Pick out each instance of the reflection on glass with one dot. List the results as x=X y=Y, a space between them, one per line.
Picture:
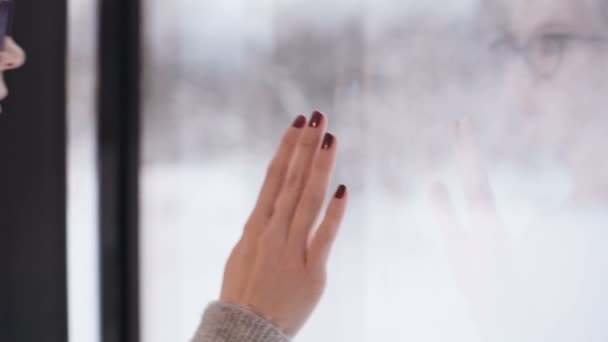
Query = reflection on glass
x=506 y=245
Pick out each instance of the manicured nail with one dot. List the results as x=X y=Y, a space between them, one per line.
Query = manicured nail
x=341 y=191
x=316 y=119
x=299 y=122
x=328 y=141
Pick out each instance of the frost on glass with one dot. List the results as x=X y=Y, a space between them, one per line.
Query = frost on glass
x=519 y=256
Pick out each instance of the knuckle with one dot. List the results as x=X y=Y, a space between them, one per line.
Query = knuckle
x=290 y=140
x=314 y=200
x=309 y=141
x=323 y=236
x=318 y=280
x=293 y=264
x=275 y=170
x=243 y=251
x=266 y=248
x=249 y=239
x=322 y=167
x=326 y=233
x=271 y=240
x=295 y=180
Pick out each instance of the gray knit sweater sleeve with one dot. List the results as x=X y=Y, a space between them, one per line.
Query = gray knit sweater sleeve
x=224 y=322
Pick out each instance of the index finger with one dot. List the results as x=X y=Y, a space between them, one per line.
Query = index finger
x=475 y=178
x=277 y=172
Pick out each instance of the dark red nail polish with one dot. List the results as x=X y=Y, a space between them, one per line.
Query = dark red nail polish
x=328 y=141
x=299 y=122
x=341 y=191
x=316 y=119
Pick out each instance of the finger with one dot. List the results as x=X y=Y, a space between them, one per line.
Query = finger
x=476 y=183
x=323 y=240
x=310 y=204
x=277 y=171
x=445 y=213
x=297 y=176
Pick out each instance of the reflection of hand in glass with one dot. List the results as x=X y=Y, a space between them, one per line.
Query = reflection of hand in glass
x=479 y=256
x=278 y=268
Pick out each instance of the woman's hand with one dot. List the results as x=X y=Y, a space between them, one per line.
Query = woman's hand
x=480 y=256
x=278 y=268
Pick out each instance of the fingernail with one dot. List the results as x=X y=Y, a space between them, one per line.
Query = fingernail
x=341 y=191
x=299 y=122
x=316 y=119
x=328 y=141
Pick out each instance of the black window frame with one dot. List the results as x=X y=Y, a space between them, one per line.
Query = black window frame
x=118 y=153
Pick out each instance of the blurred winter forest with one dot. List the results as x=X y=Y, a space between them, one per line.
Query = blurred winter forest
x=224 y=79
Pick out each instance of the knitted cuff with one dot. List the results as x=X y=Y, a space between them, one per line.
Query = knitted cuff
x=223 y=322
